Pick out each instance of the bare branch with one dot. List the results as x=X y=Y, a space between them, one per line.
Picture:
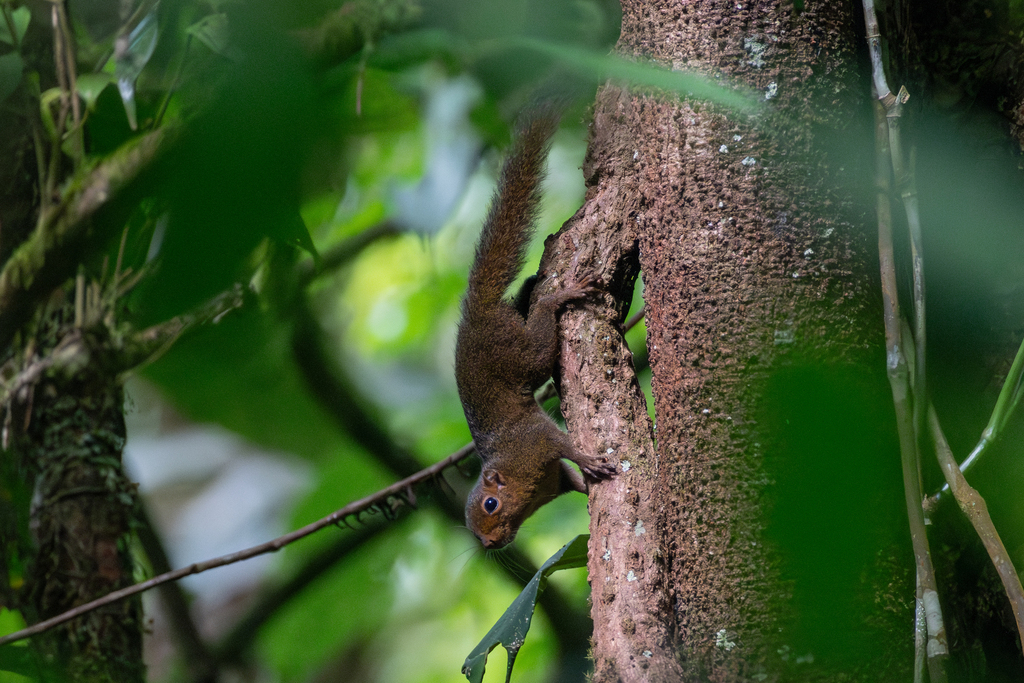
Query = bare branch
x=385 y=497
x=147 y=345
x=974 y=507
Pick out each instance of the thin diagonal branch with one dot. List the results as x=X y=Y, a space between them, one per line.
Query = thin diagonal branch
x=198 y=660
x=399 y=491
x=974 y=507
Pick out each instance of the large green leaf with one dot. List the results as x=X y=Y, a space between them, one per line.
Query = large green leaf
x=684 y=83
x=510 y=631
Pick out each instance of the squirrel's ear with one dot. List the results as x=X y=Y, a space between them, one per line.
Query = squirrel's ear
x=493 y=477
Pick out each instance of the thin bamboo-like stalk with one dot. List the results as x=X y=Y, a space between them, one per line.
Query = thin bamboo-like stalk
x=907 y=401
x=932 y=649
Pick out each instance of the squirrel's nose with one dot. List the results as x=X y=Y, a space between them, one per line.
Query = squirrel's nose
x=492 y=543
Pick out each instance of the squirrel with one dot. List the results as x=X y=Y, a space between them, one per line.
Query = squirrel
x=505 y=351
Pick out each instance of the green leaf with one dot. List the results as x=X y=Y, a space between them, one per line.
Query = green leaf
x=601 y=65
x=20 y=18
x=510 y=630
x=131 y=54
x=17 y=659
x=212 y=31
x=90 y=86
x=11 y=67
x=293 y=231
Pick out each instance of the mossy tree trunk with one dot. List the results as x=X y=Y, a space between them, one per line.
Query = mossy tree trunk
x=68 y=434
x=67 y=507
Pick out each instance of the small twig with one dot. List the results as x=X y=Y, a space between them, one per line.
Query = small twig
x=634 y=319
x=149 y=344
x=69 y=351
x=120 y=257
x=1009 y=397
x=199 y=662
x=899 y=381
x=66 y=37
x=974 y=508
x=360 y=506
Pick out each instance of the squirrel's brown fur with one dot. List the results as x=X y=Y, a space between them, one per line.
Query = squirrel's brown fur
x=505 y=353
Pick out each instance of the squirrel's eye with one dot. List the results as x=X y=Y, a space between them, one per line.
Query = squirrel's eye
x=491 y=505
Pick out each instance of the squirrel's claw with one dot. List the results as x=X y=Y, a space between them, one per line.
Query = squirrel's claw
x=598 y=466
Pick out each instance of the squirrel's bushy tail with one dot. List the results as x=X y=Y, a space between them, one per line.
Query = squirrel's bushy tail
x=510 y=221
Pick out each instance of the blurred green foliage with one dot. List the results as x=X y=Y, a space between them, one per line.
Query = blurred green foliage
x=289 y=147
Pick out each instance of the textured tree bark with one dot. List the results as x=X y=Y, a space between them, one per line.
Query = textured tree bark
x=717 y=555
x=67 y=508
x=68 y=435
x=606 y=413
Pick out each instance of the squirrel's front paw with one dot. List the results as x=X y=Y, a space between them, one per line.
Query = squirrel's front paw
x=598 y=466
x=588 y=284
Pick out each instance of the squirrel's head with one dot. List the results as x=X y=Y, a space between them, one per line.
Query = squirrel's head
x=499 y=504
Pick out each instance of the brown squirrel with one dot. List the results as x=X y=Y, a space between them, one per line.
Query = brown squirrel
x=506 y=351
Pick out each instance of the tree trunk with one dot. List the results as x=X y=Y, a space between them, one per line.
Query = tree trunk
x=69 y=437
x=67 y=507
x=737 y=549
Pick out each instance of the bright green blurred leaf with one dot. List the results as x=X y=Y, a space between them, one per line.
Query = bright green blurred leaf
x=601 y=66
x=20 y=18
x=15 y=658
x=10 y=621
x=91 y=85
x=510 y=630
